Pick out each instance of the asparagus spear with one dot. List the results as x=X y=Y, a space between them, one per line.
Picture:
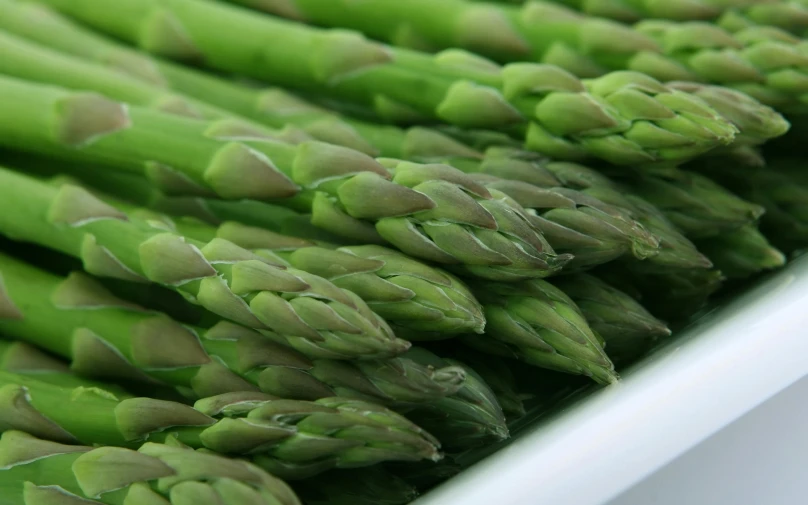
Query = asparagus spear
x=673 y=295
x=22 y=358
x=431 y=211
x=220 y=276
x=278 y=108
x=470 y=418
x=109 y=338
x=420 y=300
x=743 y=252
x=761 y=61
x=780 y=186
x=695 y=204
x=290 y=438
x=537 y=323
x=633 y=10
x=273 y=106
x=676 y=251
x=553 y=111
x=30 y=61
x=496 y=372
x=36 y=471
x=626 y=327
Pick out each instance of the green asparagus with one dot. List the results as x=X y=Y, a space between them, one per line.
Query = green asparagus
x=36 y=472
x=27 y=60
x=22 y=358
x=761 y=61
x=742 y=253
x=419 y=301
x=219 y=275
x=780 y=187
x=496 y=372
x=625 y=118
x=431 y=211
x=673 y=294
x=537 y=323
x=626 y=327
x=695 y=204
x=289 y=438
x=633 y=10
x=108 y=338
x=470 y=418
x=676 y=251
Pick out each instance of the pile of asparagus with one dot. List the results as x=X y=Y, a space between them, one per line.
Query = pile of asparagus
x=313 y=251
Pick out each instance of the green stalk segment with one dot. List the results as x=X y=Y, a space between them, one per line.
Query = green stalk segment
x=762 y=61
x=25 y=359
x=537 y=32
x=497 y=373
x=626 y=327
x=741 y=253
x=676 y=251
x=625 y=118
x=218 y=275
x=470 y=418
x=25 y=59
x=289 y=438
x=420 y=300
x=434 y=212
x=682 y=10
x=695 y=204
x=781 y=187
x=537 y=323
x=42 y=472
x=278 y=108
x=107 y=338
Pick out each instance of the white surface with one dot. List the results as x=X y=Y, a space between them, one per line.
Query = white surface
x=730 y=363
x=760 y=459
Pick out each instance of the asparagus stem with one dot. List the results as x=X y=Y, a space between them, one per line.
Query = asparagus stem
x=557 y=114
x=37 y=471
x=290 y=438
x=108 y=338
x=219 y=275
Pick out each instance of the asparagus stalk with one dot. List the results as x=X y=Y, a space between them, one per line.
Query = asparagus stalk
x=30 y=61
x=537 y=323
x=256 y=237
x=695 y=204
x=109 y=338
x=743 y=252
x=421 y=301
x=634 y=10
x=626 y=327
x=553 y=111
x=673 y=295
x=761 y=61
x=676 y=251
x=790 y=15
x=273 y=107
x=496 y=372
x=290 y=438
x=278 y=108
x=780 y=187
x=37 y=471
x=219 y=275
x=470 y=418
x=430 y=211
x=22 y=358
